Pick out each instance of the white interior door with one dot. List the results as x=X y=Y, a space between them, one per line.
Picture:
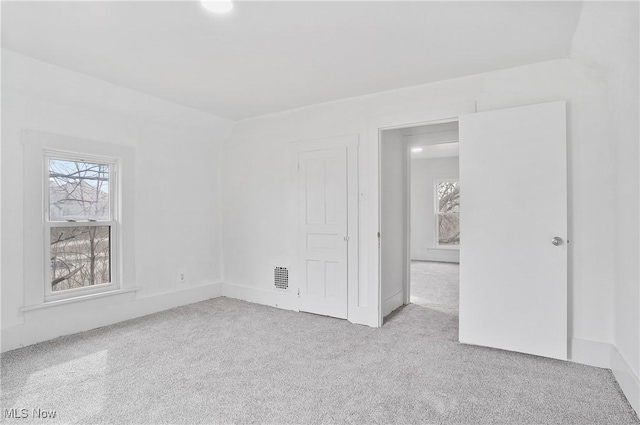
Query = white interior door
x=323 y=236
x=513 y=274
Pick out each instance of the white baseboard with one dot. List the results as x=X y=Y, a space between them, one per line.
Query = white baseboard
x=591 y=353
x=607 y=356
x=626 y=378
x=273 y=298
x=52 y=322
x=392 y=303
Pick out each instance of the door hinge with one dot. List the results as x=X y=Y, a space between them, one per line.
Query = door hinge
x=378 y=239
x=346 y=238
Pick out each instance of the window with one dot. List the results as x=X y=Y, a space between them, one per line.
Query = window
x=447 y=213
x=81 y=224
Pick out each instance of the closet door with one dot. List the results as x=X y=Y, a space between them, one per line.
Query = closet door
x=323 y=233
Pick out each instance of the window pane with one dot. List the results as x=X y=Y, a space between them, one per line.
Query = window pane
x=78 y=191
x=80 y=256
x=449 y=229
x=448 y=197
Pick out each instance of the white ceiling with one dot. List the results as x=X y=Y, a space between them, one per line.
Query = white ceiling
x=441 y=150
x=272 y=56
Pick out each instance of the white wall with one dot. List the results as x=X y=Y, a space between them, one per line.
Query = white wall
x=424 y=174
x=177 y=210
x=612 y=50
x=255 y=171
x=393 y=216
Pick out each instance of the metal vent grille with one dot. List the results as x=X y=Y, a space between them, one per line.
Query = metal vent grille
x=281 y=278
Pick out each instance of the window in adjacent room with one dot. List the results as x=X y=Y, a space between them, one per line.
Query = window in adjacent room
x=447 y=213
x=81 y=224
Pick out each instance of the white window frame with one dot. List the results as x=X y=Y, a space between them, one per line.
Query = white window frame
x=113 y=222
x=437 y=213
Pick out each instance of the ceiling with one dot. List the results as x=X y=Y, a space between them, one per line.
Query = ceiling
x=435 y=140
x=441 y=150
x=267 y=57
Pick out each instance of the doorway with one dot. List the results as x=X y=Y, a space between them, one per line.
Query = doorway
x=420 y=226
x=513 y=279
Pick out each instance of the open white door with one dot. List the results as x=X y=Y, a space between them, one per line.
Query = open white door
x=323 y=237
x=513 y=218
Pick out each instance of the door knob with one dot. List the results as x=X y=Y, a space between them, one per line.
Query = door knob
x=556 y=241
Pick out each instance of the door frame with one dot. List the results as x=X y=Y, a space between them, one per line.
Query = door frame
x=351 y=143
x=375 y=126
x=406 y=287
x=406 y=230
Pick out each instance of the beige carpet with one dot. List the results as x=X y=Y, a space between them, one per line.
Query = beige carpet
x=228 y=361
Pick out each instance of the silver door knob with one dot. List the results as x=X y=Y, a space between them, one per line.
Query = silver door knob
x=556 y=241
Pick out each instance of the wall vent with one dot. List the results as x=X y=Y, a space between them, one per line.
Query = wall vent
x=281 y=278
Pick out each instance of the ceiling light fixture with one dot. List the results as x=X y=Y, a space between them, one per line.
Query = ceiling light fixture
x=416 y=150
x=217 y=6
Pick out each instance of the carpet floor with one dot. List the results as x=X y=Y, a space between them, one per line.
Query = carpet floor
x=229 y=361
x=435 y=285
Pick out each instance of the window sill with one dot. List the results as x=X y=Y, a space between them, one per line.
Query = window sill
x=77 y=299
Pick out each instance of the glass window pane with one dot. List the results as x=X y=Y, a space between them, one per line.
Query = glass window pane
x=448 y=197
x=449 y=229
x=80 y=256
x=78 y=191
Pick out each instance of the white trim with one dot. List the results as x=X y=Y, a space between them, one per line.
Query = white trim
x=592 y=353
x=371 y=312
x=627 y=379
x=64 y=301
x=81 y=223
x=393 y=302
x=406 y=284
x=78 y=292
x=445 y=247
x=274 y=298
x=404 y=296
x=604 y=355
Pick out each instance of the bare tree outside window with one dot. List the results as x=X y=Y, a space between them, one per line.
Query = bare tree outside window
x=80 y=250
x=448 y=212
x=80 y=256
x=78 y=191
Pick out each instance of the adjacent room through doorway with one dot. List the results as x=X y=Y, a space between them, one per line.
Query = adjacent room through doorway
x=435 y=212
x=420 y=225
